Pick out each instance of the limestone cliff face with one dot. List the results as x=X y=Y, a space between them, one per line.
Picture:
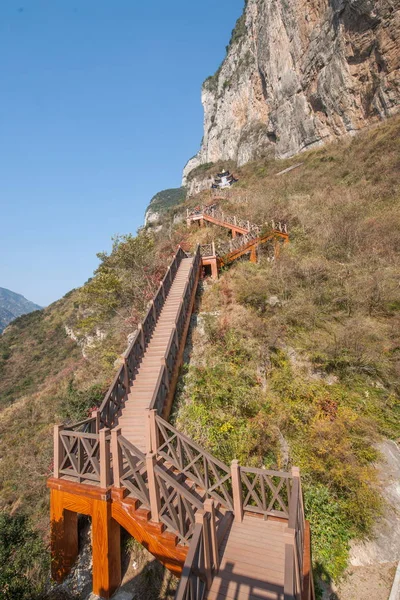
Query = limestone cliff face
x=298 y=73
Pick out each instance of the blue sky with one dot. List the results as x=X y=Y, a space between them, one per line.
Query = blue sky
x=99 y=110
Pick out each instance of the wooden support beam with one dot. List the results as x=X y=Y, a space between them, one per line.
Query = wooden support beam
x=106 y=550
x=64 y=537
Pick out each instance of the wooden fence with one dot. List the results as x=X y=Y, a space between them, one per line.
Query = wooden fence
x=202 y=561
x=119 y=389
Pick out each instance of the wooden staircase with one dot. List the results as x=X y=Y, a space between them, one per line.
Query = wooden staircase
x=126 y=466
x=133 y=416
x=246 y=237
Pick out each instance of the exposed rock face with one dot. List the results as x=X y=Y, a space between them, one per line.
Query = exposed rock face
x=298 y=73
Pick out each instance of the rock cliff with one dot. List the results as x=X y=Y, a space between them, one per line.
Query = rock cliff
x=161 y=202
x=298 y=73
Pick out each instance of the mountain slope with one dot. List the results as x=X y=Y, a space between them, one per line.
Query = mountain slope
x=161 y=202
x=298 y=73
x=13 y=305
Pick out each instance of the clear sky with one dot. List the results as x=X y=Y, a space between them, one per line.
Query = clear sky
x=99 y=110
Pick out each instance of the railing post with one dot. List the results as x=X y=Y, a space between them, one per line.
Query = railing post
x=105 y=477
x=59 y=451
x=140 y=328
x=96 y=415
x=202 y=518
x=126 y=376
x=152 y=431
x=153 y=306
x=237 y=491
x=209 y=507
x=117 y=457
x=213 y=248
x=162 y=289
x=166 y=374
x=154 y=490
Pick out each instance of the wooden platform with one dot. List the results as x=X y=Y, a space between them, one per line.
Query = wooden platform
x=252 y=562
x=132 y=420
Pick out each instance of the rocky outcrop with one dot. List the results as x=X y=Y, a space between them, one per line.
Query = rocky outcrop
x=161 y=202
x=298 y=73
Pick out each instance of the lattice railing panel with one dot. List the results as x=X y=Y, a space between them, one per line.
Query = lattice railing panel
x=133 y=474
x=266 y=492
x=178 y=505
x=195 y=463
x=80 y=456
x=193 y=583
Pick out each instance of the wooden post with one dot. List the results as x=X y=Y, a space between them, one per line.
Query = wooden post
x=153 y=306
x=58 y=451
x=233 y=233
x=96 y=415
x=126 y=377
x=140 y=328
x=202 y=518
x=209 y=507
x=64 y=537
x=152 y=431
x=213 y=248
x=106 y=550
x=237 y=491
x=253 y=254
x=166 y=375
x=214 y=268
x=117 y=457
x=104 y=459
x=154 y=491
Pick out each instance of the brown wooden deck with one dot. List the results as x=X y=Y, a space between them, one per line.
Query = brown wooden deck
x=252 y=565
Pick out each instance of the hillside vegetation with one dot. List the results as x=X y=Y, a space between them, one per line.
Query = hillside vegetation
x=294 y=361
x=297 y=361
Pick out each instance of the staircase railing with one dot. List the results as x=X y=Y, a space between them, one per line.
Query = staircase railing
x=190 y=459
x=119 y=389
x=168 y=361
x=215 y=213
x=77 y=446
x=202 y=560
x=82 y=455
x=171 y=502
x=294 y=550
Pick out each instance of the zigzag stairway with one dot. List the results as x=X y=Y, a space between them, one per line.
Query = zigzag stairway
x=230 y=532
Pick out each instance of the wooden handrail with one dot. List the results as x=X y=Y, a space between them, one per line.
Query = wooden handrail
x=118 y=390
x=202 y=561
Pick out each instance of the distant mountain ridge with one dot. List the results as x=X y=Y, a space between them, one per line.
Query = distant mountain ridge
x=13 y=305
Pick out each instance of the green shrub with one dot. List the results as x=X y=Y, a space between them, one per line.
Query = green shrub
x=23 y=559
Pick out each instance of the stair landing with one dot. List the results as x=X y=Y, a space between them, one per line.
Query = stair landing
x=132 y=421
x=252 y=564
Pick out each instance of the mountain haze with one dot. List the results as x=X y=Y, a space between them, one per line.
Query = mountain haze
x=13 y=305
